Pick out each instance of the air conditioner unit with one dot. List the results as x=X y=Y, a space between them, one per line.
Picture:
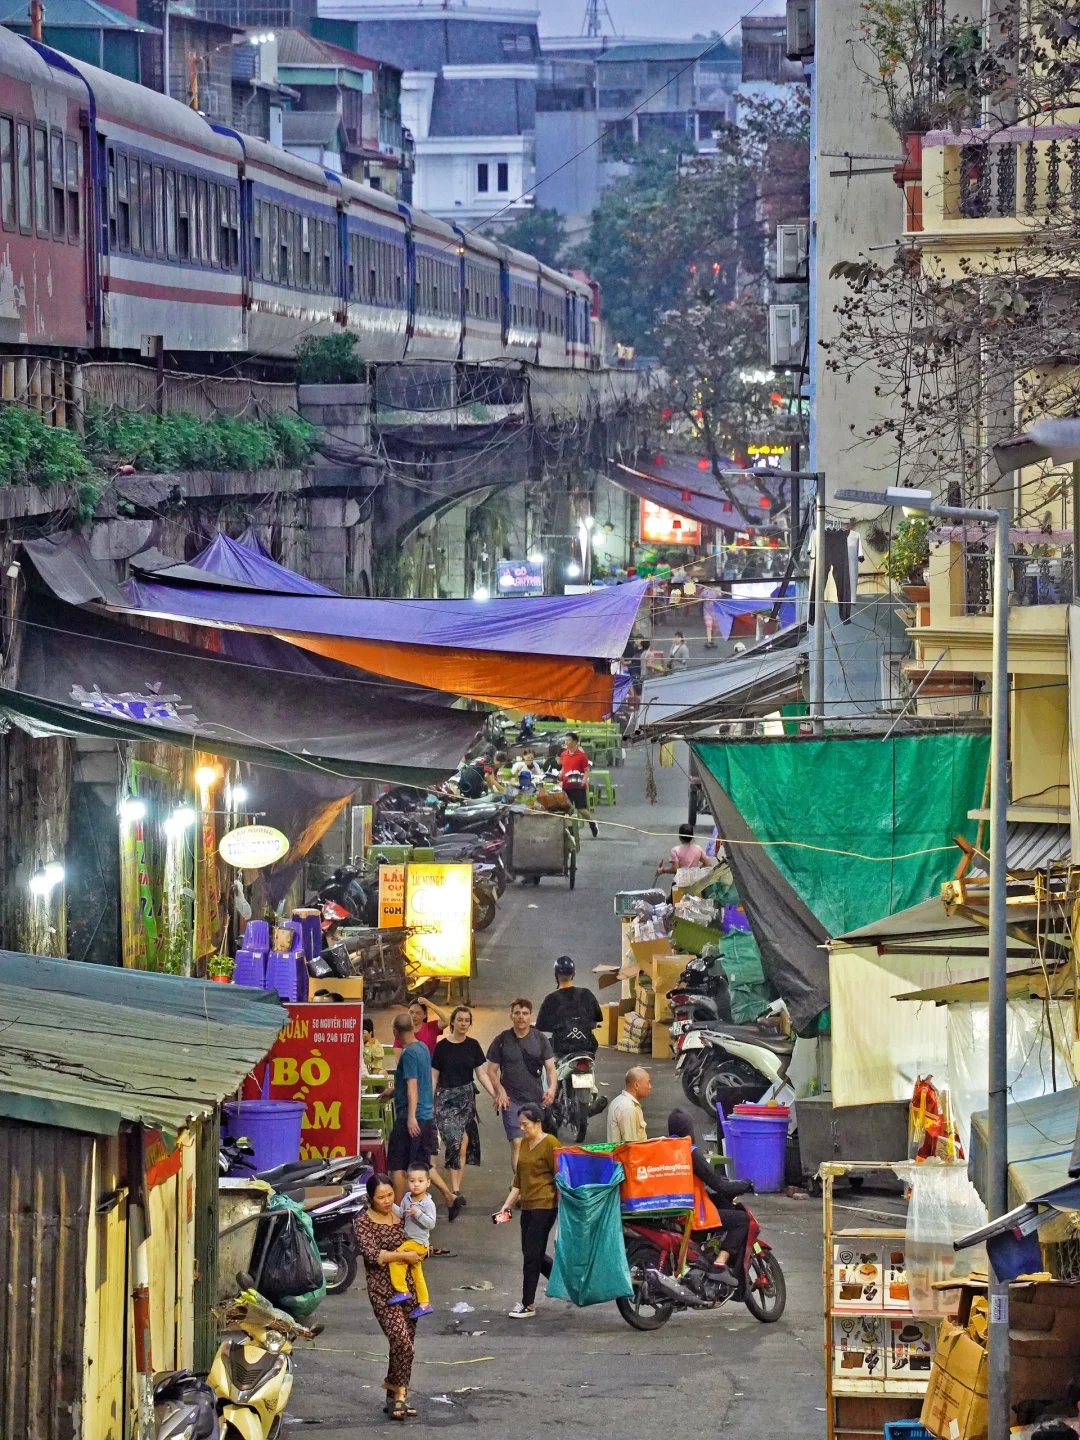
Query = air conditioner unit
x=792 y=251
x=785 y=337
x=800 y=29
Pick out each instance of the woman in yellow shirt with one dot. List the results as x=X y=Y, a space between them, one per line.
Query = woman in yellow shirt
x=534 y=1192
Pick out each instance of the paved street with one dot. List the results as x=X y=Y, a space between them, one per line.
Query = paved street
x=585 y=1369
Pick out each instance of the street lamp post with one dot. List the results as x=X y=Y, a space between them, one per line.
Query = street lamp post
x=919 y=502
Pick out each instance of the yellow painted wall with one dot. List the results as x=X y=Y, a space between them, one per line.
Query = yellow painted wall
x=106 y=1303
x=1040 y=740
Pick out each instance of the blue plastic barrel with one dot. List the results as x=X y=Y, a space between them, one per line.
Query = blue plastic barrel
x=757 y=1145
x=272 y=1126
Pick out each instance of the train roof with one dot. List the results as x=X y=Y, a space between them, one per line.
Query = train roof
x=482 y=245
x=566 y=282
x=262 y=153
x=356 y=194
x=19 y=60
x=126 y=103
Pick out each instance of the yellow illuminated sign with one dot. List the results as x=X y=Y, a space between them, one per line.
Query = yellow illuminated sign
x=391 y=896
x=767 y=449
x=439 y=903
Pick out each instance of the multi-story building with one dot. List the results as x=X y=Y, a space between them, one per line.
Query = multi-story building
x=468 y=96
x=347 y=112
x=684 y=88
x=113 y=38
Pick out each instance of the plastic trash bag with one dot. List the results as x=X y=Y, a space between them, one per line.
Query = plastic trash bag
x=944 y=1206
x=590 y=1255
x=292 y=1273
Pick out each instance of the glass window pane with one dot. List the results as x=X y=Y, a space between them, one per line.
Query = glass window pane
x=147 y=208
x=213 y=224
x=133 y=207
x=23 y=143
x=7 y=171
x=159 y=210
x=170 y=213
x=74 y=199
x=41 y=182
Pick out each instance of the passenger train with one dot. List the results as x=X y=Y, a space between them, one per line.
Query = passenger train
x=130 y=223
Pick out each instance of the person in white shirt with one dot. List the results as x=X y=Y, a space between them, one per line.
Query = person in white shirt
x=625 y=1120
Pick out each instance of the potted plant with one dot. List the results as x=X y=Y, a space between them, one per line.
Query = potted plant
x=220 y=969
x=907 y=556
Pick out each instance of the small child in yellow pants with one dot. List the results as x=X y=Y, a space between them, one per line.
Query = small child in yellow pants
x=417 y=1210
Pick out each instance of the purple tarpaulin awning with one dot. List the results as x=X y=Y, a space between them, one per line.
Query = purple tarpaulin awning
x=238 y=560
x=595 y=626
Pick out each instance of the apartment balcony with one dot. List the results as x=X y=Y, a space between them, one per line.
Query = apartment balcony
x=980 y=196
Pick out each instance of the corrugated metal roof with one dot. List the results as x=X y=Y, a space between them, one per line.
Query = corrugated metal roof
x=87 y=1047
x=686 y=50
x=296 y=48
x=1030 y=846
x=80 y=14
x=426 y=40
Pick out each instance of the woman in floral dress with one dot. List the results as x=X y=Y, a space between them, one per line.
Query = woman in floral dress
x=379 y=1238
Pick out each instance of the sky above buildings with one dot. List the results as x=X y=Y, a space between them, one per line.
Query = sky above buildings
x=645 y=18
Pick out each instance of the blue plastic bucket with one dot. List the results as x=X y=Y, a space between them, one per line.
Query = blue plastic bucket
x=757 y=1145
x=272 y=1126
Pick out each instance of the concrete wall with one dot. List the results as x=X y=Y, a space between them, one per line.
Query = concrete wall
x=849 y=216
x=445 y=182
x=562 y=136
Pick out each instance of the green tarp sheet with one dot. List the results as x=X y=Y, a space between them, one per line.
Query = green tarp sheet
x=831 y=801
x=590 y=1265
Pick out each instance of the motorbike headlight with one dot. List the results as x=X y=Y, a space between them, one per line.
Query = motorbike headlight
x=273 y=1342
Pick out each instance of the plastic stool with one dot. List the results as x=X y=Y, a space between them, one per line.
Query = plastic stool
x=257 y=935
x=603 y=789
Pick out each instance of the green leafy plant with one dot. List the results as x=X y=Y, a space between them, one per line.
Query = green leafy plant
x=909 y=551
x=220 y=965
x=33 y=453
x=173 y=443
x=329 y=360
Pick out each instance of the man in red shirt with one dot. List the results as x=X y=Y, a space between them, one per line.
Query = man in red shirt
x=574 y=776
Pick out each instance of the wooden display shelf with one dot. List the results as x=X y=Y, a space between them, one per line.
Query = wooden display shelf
x=860 y=1407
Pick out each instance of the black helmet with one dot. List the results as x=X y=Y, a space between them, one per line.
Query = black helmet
x=565 y=968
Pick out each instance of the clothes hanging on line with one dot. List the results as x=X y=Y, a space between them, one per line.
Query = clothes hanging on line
x=837 y=563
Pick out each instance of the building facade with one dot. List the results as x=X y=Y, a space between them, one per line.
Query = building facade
x=468 y=97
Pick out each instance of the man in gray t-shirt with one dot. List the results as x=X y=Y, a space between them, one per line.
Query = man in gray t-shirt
x=517 y=1059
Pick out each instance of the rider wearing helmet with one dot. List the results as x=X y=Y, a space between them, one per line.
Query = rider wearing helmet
x=570 y=1013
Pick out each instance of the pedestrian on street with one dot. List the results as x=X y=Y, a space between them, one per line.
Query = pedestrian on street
x=687 y=855
x=533 y=1190
x=457 y=1067
x=414 y=1139
x=426 y=1030
x=574 y=778
x=679 y=655
x=380 y=1239
x=516 y=1060
x=624 y=1118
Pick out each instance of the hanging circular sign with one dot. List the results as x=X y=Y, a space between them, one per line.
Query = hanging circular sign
x=253 y=846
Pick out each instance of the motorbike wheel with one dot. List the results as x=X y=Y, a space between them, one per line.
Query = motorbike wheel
x=581 y=1119
x=641 y=1310
x=500 y=881
x=339 y=1268
x=689 y=1076
x=484 y=907
x=729 y=1073
x=766 y=1295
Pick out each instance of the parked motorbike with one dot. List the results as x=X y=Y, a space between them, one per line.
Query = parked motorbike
x=727 y=1065
x=485 y=896
x=661 y=1286
x=576 y=1096
x=252 y=1373
x=185 y=1407
x=702 y=996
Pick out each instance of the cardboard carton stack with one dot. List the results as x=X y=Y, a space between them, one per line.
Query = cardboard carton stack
x=639 y=1021
x=1044 y=1346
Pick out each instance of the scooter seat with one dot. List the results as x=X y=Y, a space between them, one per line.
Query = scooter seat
x=750 y=1035
x=291 y=1173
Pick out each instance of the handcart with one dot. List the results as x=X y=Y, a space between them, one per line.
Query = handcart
x=543 y=842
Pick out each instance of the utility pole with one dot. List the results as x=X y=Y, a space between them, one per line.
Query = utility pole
x=817 y=672
x=592 y=25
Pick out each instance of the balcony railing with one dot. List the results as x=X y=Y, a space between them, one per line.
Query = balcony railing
x=1007 y=176
x=1034 y=579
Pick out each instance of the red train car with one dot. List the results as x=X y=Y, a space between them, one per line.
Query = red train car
x=44 y=266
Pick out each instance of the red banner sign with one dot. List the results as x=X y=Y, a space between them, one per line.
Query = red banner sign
x=317 y=1058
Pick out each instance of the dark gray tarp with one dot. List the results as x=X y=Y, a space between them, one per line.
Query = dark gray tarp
x=65 y=564
x=80 y=673
x=791 y=940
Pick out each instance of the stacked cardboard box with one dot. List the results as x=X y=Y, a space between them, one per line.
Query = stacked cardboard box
x=635 y=1034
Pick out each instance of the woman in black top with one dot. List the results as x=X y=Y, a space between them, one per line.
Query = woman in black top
x=722 y=1192
x=457 y=1064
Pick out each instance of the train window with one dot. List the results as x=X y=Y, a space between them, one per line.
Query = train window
x=41 y=181
x=7 y=172
x=305 y=252
x=147 y=208
x=204 y=245
x=257 y=223
x=133 y=207
x=159 y=209
x=184 y=218
x=503 y=177
x=56 y=188
x=272 y=237
x=213 y=226
x=372 y=272
x=170 y=213
x=112 y=199
x=22 y=138
x=123 y=211
x=234 y=229
x=399 y=274
x=350 y=269
x=482 y=178
x=292 y=230
x=73 y=153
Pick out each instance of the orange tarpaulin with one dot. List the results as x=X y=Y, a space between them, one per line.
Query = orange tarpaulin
x=512 y=682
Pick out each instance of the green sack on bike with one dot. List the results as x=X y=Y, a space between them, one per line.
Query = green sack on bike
x=590 y=1255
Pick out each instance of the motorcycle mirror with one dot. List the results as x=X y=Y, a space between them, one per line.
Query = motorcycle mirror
x=245 y=1281
x=244 y=1145
x=317 y=1329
